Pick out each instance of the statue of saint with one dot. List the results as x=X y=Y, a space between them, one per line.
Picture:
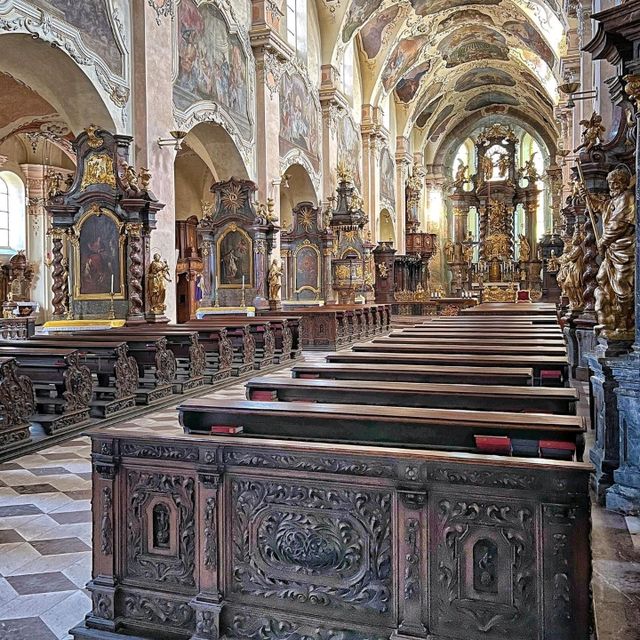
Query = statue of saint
x=525 y=249
x=157 y=276
x=615 y=292
x=503 y=165
x=486 y=167
x=449 y=251
x=275 y=275
x=553 y=264
x=461 y=175
x=572 y=275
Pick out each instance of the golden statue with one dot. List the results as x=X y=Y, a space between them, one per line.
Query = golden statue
x=144 y=178
x=503 y=165
x=525 y=249
x=572 y=275
x=486 y=168
x=592 y=134
x=275 y=275
x=157 y=275
x=529 y=170
x=461 y=175
x=449 y=251
x=553 y=264
x=615 y=292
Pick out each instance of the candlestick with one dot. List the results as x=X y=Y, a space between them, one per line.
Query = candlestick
x=111 y=285
x=112 y=310
x=243 y=283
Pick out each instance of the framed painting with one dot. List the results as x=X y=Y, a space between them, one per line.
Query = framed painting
x=99 y=252
x=307 y=264
x=234 y=258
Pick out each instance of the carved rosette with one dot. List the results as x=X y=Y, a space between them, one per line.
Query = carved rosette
x=166 y=365
x=136 y=270
x=197 y=358
x=78 y=385
x=225 y=351
x=248 y=347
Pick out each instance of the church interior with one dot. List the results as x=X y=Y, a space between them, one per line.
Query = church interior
x=320 y=320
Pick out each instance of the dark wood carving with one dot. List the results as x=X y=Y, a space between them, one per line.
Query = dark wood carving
x=17 y=405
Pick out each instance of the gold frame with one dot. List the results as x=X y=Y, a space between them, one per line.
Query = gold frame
x=96 y=210
x=232 y=228
x=318 y=289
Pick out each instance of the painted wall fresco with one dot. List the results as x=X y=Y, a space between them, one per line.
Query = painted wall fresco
x=489 y=98
x=359 y=12
x=212 y=63
x=476 y=50
x=430 y=7
x=402 y=57
x=408 y=86
x=482 y=77
x=530 y=37
x=91 y=18
x=372 y=32
x=428 y=111
x=466 y=16
x=299 y=120
x=387 y=178
x=349 y=148
x=471 y=33
x=441 y=117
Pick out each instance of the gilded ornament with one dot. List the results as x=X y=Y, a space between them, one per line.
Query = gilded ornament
x=500 y=294
x=158 y=274
x=383 y=270
x=94 y=140
x=232 y=198
x=344 y=172
x=274 y=277
x=632 y=87
x=593 y=132
x=570 y=278
x=98 y=169
x=525 y=249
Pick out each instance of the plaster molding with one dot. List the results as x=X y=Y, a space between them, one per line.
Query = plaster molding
x=163 y=9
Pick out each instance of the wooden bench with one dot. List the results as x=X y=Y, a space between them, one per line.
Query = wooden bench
x=156 y=363
x=389 y=539
x=114 y=371
x=475 y=397
x=63 y=385
x=520 y=376
x=446 y=430
x=17 y=406
x=445 y=331
x=471 y=338
x=286 y=329
x=436 y=346
x=547 y=370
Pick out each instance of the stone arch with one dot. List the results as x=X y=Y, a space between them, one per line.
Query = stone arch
x=387 y=227
x=297 y=187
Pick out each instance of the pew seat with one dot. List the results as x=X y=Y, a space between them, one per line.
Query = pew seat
x=436 y=346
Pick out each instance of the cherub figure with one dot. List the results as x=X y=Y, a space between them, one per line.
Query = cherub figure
x=593 y=130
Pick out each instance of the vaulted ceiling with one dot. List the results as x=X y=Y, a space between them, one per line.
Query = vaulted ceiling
x=449 y=63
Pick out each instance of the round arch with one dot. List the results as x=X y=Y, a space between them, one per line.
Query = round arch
x=387 y=228
x=59 y=80
x=296 y=187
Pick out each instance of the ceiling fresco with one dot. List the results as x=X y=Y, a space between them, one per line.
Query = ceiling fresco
x=408 y=86
x=373 y=32
x=484 y=77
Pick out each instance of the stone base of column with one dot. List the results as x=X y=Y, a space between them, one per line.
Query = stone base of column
x=586 y=339
x=569 y=332
x=275 y=305
x=156 y=318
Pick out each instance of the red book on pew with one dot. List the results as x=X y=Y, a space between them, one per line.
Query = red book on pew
x=264 y=396
x=308 y=376
x=500 y=445
x=226 y=430
x=557 y=449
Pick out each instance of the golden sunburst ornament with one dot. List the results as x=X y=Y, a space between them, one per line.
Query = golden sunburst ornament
x=233 y=198
x=306 y=220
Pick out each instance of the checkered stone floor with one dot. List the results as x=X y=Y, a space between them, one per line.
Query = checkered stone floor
x=45 y=539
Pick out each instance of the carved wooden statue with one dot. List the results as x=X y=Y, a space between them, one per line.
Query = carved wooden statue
x=615 y=292
x=157 y=276
x=275 y=276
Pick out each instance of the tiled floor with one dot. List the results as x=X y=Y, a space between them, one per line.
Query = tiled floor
x=45 y=540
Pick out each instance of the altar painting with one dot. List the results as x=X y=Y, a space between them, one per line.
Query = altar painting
x=99 y=253
x=235 y=259
x=307 y=260
x=212 y=62
x=299 y=123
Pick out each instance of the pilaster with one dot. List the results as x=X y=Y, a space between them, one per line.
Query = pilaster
x=374 y=137
x=403 y=164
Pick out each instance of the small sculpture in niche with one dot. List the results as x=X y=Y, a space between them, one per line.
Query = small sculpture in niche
x=592 y=134
x=553 y=264
x=161 y=527
x=158 y=275
x=485 y=570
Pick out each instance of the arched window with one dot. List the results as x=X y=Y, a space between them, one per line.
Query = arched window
x=297 y=27
x=12 y=213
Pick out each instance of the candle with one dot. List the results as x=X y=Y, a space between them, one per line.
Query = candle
x=243 y=283
x=112 y=284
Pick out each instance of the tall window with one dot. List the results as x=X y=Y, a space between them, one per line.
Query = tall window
x=297 y=26
x=4 y=214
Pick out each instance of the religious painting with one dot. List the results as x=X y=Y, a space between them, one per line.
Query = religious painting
x=464 y=17
x=99 y=256
x=472 y=33
x=299 y=120
x=387 y=178
x=372 y=32
x=407 y=87
x=91 y=19
x=442 y=116
x=530 y=37
x=431 y=7
x=489 y=98
x=349 y=149
x=484 y=77
x=404 y=55
x=307 y=261
x=359 y=12
x=235 y=258
x=427 y=112
x=476 y=50
x=212 y=63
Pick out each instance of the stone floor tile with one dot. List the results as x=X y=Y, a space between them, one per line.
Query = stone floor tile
x=82 y=494
x=10 y=535
x=28 y=584
x=49 y=471
x=71 y=517
x=34 y=488
x=79 y=573
x=32 y=605
x=37 y=528
x=44 y=564
x=25 y=629
x=70 y=455
x=15 y=555
x=67 y=614
x=59 y=546
x=19 y=510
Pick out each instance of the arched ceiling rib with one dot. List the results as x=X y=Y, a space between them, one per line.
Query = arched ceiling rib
x=448 y=61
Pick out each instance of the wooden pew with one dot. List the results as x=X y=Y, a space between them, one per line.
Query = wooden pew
x=436 y=346
x=63 y=385
x=188 y=352
x=156 y=363
x=416 y=373
x=17 y=406
x=115 y=372
x=447 y=544
x=474 y=397
x=477 y=331
x=474 y=338
x=446 y=430
x=287 y=330
x=548 y=370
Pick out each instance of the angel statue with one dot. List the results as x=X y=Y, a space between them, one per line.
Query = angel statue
x=461 y=175
x=529 y=170
x=615 y=292
x=592 y=134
